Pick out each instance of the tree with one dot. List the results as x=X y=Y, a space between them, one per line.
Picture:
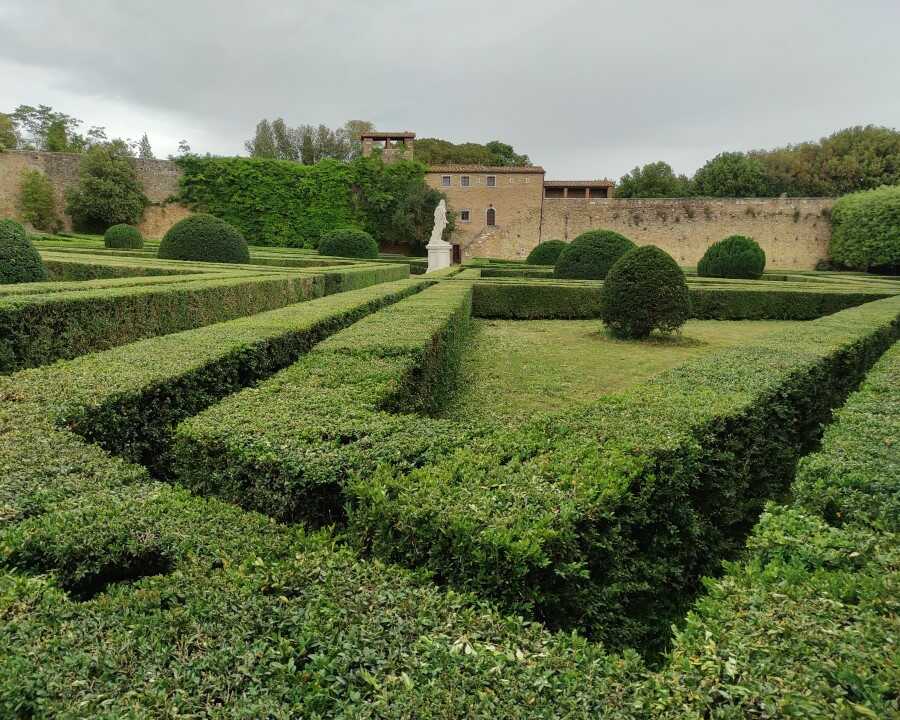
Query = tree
x=732 y=174
x=145 y=152
x=354 y=129
x=263 y=143
x=653 y=180
x=37 y=201
x=286 y=145
x=8 y=139
x=184 y=147
x=434 y=151
x=56 y=140
x=108 y=190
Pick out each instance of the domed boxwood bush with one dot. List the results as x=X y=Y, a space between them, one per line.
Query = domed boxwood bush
x=865 y=230
x=644 y=291
x=591 y=255
x=204 y=238
x=20 y=261
x=736 y=256
x=546 y=253
x=348 y=242
x=123 y=236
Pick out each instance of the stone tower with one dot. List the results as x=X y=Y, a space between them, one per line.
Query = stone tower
x=391 y=145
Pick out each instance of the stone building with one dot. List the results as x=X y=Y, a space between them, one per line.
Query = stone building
x=503 y=212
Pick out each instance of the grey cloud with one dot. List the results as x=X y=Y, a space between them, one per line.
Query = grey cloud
x=588 y=89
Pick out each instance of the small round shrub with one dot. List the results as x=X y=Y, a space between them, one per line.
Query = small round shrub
x=591 y=255
x=737 y=256
x=204 y=238
x=123 y=236
x=546 y=253
x=348 y=242
x=865 y=230
x=644 y=291
x=20 y=261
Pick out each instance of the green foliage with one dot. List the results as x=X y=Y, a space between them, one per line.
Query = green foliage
x=8 y=139
x=20 y=262
x=645 y=290
x=546 y=253
x=653 y=180
x=857 y=158
x=145 y=152
x=866 y=230
x=276 y=202
x=736 y=256
x=205 y=238
x=348 y=242
x=433 y=151
x=108 y=190
x=43 y=128
x=732 y=174
x=575 y=300
x=591 y=255
x=38 y=201
x=123 y=236
x=57 y=140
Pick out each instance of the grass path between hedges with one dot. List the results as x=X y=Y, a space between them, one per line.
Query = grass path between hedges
x=514 y=369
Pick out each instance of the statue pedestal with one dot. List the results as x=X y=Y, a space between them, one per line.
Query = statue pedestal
x=439 y=255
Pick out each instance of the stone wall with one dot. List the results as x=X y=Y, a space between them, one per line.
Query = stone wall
x=794 y=232
x=159 y=178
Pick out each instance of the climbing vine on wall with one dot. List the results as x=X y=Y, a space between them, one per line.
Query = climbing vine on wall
x=280 y=202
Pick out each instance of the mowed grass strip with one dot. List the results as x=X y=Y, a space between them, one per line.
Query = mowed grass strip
x=514 y=369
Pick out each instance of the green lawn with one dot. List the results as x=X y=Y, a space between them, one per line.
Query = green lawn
x=516 y=368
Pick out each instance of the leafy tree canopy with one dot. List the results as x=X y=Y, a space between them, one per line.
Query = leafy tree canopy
x=307 y=143
x=433 y=151
x=732 y=174
x=653 y=180
x=43 y=128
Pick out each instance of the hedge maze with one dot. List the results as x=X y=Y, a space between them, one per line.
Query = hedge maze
x=226 y=491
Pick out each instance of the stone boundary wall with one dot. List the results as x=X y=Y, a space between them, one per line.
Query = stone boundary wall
x=794 y=232
x=159 y=177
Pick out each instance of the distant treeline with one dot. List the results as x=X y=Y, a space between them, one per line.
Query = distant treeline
x=858 y=158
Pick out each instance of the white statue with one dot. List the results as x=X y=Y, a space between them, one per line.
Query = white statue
x=440 y=223
x=438 y=250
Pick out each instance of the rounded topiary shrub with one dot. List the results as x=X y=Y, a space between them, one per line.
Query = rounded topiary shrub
x=20 y=261
x=546 y=253
x=204 y=238
x=591 y=255
x=348 y=242
x=123 y=236
x=644 y=291
x=865 y=230
x=736 y=256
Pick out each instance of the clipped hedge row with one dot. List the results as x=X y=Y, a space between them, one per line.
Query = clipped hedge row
x=343 y=409
x=606 y=518
x=581 y=300
x=38 y=329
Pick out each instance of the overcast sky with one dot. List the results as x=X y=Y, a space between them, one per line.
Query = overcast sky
x=586 y=88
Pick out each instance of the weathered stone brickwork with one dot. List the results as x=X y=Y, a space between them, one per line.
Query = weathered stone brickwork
x=159 y=178
x=794 y=232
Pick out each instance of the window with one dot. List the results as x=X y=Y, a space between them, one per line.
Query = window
x=491 y=217
x=464 y=181
x=464 y=216
x=491 y=180
x=445 y=180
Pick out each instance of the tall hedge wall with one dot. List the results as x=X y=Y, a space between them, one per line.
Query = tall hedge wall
x=279 y=202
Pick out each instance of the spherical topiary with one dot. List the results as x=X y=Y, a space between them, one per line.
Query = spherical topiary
x=204 y=238
x=865 y=230
x=20 y=261
x=591 y=255
x=736 y=256
x=123 y=236
x=546 y=253
x=348 y=242
x=645 y=290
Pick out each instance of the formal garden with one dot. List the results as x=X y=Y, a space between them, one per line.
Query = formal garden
x=246 y=481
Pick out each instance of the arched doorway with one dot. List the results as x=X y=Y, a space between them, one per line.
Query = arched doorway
x=491 y=217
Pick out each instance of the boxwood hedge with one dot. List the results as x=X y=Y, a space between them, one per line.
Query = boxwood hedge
x=246 y=618
x=345 y=408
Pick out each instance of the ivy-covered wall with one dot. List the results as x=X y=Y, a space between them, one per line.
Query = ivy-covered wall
x=279 y=202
